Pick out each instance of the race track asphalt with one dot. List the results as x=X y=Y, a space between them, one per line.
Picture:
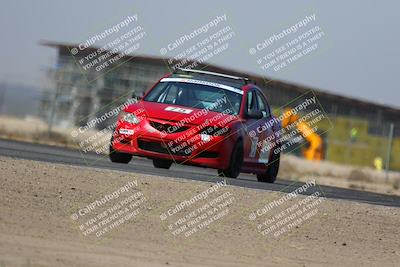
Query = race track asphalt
x=55 y=154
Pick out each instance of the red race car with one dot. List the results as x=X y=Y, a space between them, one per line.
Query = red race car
x=204 y=119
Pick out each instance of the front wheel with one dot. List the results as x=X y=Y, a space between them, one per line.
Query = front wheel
x=272 y=171
x=162 y=163
x=235 y=163
x=119 y=157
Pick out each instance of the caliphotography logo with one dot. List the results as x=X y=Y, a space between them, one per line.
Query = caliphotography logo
x=212 y=133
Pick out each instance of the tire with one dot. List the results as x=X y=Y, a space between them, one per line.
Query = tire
x=162 y=163
x=119 y=157
x=235 y=163
x=272 y=171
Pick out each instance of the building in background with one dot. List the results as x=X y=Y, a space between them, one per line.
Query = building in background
x=73 y=100
x=78 y=96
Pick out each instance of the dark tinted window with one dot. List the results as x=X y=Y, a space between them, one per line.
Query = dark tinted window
x=263 y=105
x=251 y=101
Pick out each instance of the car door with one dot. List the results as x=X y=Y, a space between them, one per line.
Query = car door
x=251 y=126
x=266 y=130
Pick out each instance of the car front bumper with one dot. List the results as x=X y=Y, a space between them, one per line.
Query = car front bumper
x=146 y=141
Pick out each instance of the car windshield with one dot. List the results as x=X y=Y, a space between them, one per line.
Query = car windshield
x=196 y=96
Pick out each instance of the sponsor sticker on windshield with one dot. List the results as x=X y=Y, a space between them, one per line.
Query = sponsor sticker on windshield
x=222 y=86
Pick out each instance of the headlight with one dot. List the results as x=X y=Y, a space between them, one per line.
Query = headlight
x=129 y=117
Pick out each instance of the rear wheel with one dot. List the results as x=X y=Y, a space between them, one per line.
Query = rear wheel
x=272 y=171
x=235 y=163
x=119 y=157
x=162 y=163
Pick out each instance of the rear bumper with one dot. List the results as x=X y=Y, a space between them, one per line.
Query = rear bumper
x=143 y=140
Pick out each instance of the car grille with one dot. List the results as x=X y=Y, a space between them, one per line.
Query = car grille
x=159 y=147
x=167 y=127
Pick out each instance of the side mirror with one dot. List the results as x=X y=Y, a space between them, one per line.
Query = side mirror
x=136 y=96
x=254 y=114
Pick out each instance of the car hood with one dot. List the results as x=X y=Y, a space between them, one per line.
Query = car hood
x=178 y=113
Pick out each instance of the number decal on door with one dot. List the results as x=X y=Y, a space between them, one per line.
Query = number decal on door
x=264 y=153
x=253 y=149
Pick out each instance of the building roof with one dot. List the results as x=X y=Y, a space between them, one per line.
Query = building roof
x=260 y=80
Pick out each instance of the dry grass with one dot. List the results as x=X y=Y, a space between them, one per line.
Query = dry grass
x=359 y=175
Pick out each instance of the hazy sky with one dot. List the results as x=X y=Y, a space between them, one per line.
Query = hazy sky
x=360 y=56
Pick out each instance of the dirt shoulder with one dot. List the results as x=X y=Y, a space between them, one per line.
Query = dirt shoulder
x=48 y=215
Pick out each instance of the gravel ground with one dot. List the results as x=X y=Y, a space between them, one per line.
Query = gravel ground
x=45 y=221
